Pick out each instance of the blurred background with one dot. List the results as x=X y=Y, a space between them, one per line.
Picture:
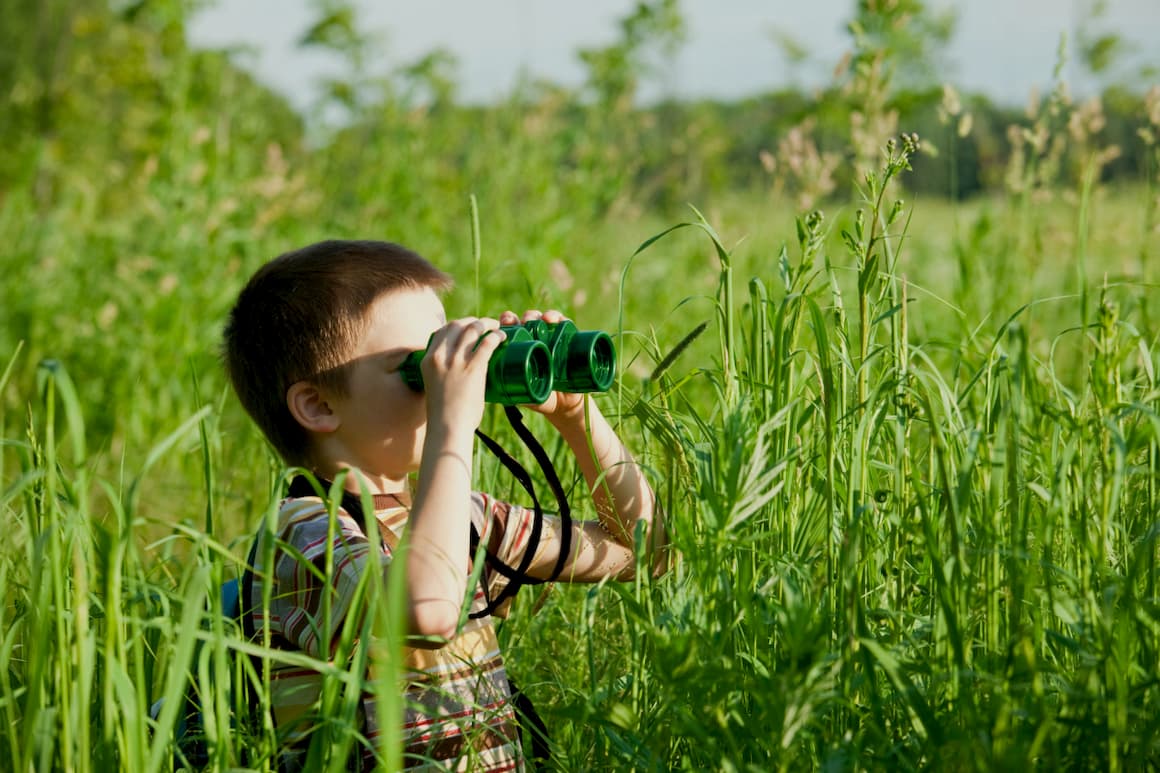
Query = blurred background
x=728 y=51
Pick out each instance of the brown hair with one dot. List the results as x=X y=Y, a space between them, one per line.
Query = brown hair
x=298 y=318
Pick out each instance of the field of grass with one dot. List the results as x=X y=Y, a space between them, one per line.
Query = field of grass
x=911 y=464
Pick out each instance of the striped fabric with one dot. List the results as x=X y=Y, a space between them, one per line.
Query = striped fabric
x=458 y=711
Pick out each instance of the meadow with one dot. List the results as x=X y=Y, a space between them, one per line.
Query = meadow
x=908 y=446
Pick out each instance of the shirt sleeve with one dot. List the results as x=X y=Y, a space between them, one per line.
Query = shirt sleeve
x=311 y=611
x=506 y=529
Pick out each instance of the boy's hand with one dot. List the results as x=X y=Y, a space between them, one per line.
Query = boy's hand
x=559 y=405
x=455 y=371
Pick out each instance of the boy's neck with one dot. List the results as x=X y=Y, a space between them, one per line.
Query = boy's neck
x=357 y=479
x=352 y=503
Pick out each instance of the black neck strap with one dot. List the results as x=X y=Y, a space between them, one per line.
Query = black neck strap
x=518 y=576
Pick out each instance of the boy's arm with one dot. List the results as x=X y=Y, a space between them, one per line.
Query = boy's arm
x=438 y=533
x=623 y=498
x=454 y=373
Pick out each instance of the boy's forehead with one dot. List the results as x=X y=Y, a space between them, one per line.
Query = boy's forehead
x=398 y=321
x=411 y=305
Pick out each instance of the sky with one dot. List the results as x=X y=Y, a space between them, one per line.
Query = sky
x=1003 y=48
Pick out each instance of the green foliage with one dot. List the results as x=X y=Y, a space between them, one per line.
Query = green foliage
x=94 y=94
x=908 y=451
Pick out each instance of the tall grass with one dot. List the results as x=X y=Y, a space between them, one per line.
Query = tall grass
x=895 y=553
x=886 y=563
x=107 y=638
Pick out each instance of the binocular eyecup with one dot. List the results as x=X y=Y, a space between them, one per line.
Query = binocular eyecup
x=536 y=359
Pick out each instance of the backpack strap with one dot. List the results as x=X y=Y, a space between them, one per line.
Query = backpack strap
x=245 y=602
x=530 y=720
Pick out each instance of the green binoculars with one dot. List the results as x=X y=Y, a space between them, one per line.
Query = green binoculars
x=536 y=359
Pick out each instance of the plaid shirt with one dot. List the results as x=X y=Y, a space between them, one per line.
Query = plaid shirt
x=458 y=711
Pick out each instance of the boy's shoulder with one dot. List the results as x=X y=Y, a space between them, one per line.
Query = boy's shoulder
x=305 y=520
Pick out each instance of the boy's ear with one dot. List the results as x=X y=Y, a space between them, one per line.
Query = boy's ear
x=309 y=407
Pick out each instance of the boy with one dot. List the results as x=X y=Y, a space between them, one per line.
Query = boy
x=313 y=347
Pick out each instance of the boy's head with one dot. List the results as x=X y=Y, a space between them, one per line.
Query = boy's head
x=299 y=318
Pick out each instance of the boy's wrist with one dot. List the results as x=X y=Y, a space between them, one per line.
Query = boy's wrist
x=449 y=434
x=574 y=416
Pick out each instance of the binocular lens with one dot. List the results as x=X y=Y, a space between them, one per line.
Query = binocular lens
x=587 y=362
x=602 y=360
x=519 y=372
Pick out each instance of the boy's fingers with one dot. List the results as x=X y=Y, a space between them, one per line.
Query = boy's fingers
x=458 y=330
x=489 y=340
x=468 y=333
x=477 y=329
x=480 y=323
x=551 y=315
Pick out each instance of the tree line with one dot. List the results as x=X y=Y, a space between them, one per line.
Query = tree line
x=100 y=90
